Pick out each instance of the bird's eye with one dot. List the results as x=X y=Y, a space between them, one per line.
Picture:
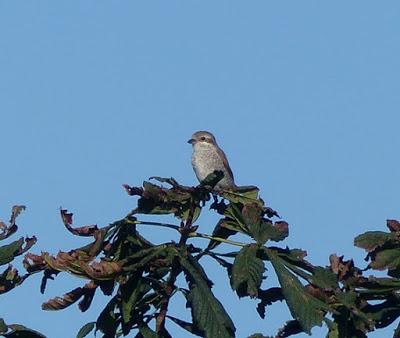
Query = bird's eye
x=203 y=138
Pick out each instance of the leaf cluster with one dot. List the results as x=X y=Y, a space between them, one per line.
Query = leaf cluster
x=140 y=278
x=10 y=278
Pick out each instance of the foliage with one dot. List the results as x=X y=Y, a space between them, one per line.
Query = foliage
x=140 y=278
x=10 y=277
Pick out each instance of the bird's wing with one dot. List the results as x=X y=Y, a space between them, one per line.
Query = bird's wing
x=225 y=162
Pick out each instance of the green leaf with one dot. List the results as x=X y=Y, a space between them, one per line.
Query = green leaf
x=209 y=316
x=238 y=197
x=9 y=251
x=372 y=239
x=324 y=278
x=265 y=230
x=86 y=329
x=386 y=259
x=107 y=320
x=262 y=229
x=233 y=212
x=252 y=217
x=247 y=272
x=184 y=215
x=308 y=310
x=131 y=293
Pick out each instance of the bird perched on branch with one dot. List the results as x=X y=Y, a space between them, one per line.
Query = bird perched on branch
x=207 y=157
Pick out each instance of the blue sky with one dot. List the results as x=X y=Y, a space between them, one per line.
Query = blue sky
x=303 y=97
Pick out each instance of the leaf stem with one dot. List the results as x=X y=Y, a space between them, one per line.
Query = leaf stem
x=192 y=234
x=166 y=225
x=218 y=239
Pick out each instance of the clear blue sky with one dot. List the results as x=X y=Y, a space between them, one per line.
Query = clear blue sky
x=302 y=95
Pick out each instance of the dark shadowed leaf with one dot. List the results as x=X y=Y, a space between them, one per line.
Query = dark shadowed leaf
x=268 y=297
x=146 y=332
x=247 y=272
x=221 y=230
x=372 y=239
x=20 y=331
x=133 y=191
x=187 y=326
x=396 y=332
x=290 y=328
x=107 y=321
x=9 y=279
x=212 y=179
x=259 y=335
x=308 y=310
x=86 y=329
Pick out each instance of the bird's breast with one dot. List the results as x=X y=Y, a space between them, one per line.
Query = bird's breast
x=205 y=160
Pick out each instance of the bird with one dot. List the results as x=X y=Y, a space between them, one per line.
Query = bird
x=207 y=157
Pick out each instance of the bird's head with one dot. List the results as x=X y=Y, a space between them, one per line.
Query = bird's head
x=202 y=137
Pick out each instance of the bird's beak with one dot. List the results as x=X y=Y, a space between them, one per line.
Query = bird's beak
x=191 y=141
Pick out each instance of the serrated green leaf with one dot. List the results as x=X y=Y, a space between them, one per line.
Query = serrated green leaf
x=131 y=293
x=239 y=197
x=372 y=239
x=86 y=329
x=247 y=272
x=209 y=316
x=324 y=278
x=347 y=298
x=208 y=313
x=265 y=230
x=233 y=212
x=305 y=308
x=9 y=251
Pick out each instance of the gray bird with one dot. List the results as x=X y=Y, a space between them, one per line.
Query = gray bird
x=207 y=157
